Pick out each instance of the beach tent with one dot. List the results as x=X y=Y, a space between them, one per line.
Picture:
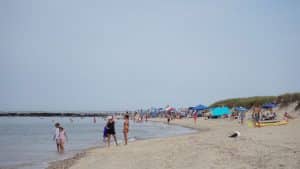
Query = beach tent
x=269 y=106
x=220 y=111
x=199 y=107
x=240 y=109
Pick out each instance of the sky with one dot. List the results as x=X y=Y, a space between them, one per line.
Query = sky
x=124 y=55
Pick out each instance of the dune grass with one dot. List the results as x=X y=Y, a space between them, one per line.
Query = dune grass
x=283 y=100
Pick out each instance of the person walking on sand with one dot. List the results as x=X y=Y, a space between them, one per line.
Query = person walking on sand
x=56 y=136
x=126 y=128
x=62 y=139
x=195 y=115
x=111 y=130
x=242 y=116
x=134 y=116
x=168 y=118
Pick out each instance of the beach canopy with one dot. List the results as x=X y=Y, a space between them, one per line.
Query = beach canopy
x=220 y=111
x=269 y=106
x=240 y=109
x=199 y=107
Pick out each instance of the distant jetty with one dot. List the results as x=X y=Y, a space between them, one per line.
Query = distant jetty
x=49 y=114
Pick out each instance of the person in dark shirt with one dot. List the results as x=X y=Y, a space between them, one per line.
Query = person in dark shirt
x=110 y=129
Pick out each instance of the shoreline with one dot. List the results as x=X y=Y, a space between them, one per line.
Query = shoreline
x=158 y=120
x=70 y=161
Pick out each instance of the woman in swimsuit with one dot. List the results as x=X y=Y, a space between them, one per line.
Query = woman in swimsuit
x=126 y=128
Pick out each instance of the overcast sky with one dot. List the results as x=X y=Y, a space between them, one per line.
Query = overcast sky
x=118 y=55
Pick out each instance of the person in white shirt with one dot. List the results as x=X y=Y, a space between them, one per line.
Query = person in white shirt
x=56 y=136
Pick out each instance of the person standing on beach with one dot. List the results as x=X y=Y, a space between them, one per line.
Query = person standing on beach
x=126 y=128
x=56 y=136
x=168 y=117
x=195 y=115
x=256 y=116
x=242 y=116
x=134 y=116
x=62 y=139
x=111 y=130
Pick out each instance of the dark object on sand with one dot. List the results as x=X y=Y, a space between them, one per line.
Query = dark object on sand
x=235 y=134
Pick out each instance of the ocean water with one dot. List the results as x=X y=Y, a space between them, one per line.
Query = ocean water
x=27 y=142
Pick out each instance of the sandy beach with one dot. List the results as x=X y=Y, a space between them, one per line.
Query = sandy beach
x=74 y=74
x=211 y=148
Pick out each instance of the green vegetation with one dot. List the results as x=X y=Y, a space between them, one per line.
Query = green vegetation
x=288 y=98
x=282 y=100
x=245 y=102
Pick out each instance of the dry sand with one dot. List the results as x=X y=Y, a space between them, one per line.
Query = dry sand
x=275 y=147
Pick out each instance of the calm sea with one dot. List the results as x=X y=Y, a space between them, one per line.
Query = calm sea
x=26 y=142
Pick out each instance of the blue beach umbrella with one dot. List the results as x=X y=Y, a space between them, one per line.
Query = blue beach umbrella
x=199 y=107
x=269 y=106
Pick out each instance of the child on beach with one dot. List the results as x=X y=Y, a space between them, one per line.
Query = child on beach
x=287 y=116
x=126 y=128
x=56 y=136
x=62 y=138
x=104 y=134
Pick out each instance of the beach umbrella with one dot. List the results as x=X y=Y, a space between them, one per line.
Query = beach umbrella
x=170 y=108
x=240 y=109
x=199 y=107
x=220 y=111
x=269 y=106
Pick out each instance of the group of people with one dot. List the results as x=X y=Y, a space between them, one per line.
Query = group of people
x=170 y=117
x=258 y=115
x=60 y=137
x=137 y=117
x=109 y=130
x=269 y=116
